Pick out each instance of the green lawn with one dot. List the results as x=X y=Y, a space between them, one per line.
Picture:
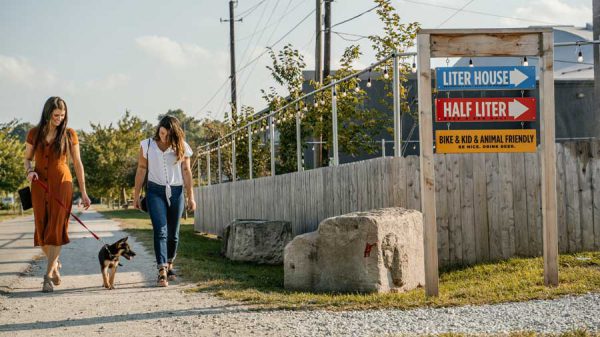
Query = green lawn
x=11 y=214
x=517 y=279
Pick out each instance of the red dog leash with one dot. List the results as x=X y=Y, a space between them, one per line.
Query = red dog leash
x=45 y=187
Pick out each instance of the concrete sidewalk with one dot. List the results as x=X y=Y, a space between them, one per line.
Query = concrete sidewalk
x=16 y=249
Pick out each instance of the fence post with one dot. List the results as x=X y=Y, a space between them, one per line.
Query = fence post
x=383 y=147
x=208 y=165
x=199 y=169
x=272 y=139
x=233 y=168
x=397 y=112
x=298 y=140
x=250 y=151
x=219 y=161
x=334 y=122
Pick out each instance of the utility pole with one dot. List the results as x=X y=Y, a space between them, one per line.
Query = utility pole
x=595 y=37
x=319 y=43
x=327 y=56
x=324 y=153
x=234 y=105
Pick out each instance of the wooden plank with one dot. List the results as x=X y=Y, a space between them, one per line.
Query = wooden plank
x=441 y=206
x=573 y=196
x=507 y=220
x=353 y=182
x=363 y=201
x=493 y=189
x=427 y=169
x=585 y=188
x=386 y=195
x=480 y=210
x=453 y=184
x=519 y=193
x=548 y=160
x=485 y=44
x=402 y=187
x=469 y=253
x=561 y=202
x=595 y=149
x=412 y=183
x=532 y=179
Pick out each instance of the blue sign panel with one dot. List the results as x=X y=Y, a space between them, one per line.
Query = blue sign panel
x=485 y=78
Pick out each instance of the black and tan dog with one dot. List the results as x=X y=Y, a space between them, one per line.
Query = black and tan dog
x=109 y=258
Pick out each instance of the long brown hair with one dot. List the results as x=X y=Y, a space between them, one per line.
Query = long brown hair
x=61 y=139
x=176 y=135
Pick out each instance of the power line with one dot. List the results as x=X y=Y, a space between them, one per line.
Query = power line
x=250 y=10
x=267 y=27
x=355 y=17
x=341 y=35
x=212 y=97
x=268 y=41
x=276 y=42
x=478 y=12
x=455 y=13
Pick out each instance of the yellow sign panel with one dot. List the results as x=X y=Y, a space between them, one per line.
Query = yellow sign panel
x=469 y=141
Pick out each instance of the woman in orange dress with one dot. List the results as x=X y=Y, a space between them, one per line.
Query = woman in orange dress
x=48 y=144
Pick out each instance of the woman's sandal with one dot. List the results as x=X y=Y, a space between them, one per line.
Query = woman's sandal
x=47 y=285
x=162 y=278
x=171 y=275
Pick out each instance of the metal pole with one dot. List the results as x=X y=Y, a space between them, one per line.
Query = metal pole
x=334 y=122
x=298 y=141
x=199 y=170
x=272 y=139
x=397 y=113
x=208 y=165
x=219 y=161
x=250 y=151
x=383 y=147
x=233 y=168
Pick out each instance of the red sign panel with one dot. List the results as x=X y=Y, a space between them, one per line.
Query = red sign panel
x=485 y=109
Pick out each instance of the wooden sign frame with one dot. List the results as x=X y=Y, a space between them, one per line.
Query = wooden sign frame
x=488 y=42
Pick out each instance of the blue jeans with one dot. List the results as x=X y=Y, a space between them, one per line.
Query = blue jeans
x=165 y=221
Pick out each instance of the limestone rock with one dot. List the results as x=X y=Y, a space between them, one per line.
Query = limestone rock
x=259 y=241
x=375 y=251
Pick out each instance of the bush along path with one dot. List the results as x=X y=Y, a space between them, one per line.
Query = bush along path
x=81 y=307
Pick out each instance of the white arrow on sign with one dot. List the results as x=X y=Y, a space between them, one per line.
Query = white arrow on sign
x=516 y=108
x=517 y=77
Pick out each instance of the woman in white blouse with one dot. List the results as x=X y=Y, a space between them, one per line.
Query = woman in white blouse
x=166 y=156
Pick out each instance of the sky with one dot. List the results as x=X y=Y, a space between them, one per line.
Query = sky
x=149 y=56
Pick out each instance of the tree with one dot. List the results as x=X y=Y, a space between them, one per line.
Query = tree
x=110 y=155
x=12 y=151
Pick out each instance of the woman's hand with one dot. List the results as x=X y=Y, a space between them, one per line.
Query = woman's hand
x=191 y=204
x=32 y=176
x=86 y=200
x=136 y=203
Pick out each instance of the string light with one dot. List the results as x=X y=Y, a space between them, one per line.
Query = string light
x=357 y=87
x=369 y=79
x=413 y=68
x=580 y=55
x=385 y=73
x=344 y=94
x=525 y=62
x=471 y=63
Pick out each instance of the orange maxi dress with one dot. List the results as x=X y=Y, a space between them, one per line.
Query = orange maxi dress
x=51 y=220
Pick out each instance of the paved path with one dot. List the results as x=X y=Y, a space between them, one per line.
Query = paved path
x=81 y=307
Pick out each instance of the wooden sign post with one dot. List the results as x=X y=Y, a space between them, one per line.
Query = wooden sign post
x=487 y=42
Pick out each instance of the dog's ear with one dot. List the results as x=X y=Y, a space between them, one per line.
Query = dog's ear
x=123 y=240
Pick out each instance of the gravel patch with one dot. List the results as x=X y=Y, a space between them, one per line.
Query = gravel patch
x=81 y=307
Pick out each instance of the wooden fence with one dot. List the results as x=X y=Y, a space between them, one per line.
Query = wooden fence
x=488 y=205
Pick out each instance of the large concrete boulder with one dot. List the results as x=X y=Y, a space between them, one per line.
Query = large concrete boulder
x=259 y=241
x=375 y=251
